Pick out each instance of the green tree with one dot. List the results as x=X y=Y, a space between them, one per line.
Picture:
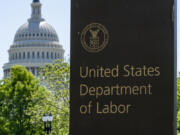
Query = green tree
x=178 y=103
x=55 y=77
x=22 y=103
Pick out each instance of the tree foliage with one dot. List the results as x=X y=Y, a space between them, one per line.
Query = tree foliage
x=22 y=102
x=24 y=99
x=55 y=77
x=178 y=103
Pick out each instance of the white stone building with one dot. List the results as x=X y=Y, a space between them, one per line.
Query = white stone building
x=35 y=44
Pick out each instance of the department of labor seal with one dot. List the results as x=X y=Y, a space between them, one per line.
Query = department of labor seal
x=94 y=37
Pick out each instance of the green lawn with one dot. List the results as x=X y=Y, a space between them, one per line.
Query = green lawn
x=178 y=133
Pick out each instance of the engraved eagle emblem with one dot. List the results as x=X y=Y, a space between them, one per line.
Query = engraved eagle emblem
x=94 y=33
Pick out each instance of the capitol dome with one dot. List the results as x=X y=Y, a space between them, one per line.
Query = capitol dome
x=36 y=31
x=36 y=43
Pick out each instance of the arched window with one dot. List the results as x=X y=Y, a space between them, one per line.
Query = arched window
x=13 y=57
x=47 y=55
x=43 y=55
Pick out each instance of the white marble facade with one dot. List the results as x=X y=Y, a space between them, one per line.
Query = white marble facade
x=35 y=44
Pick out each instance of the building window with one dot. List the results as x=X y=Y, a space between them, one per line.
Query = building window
x=41 y=34
x=51 y=55
x=24 y=55
x=16 y=56
x=55 y=56
x=38 y=55
x=33 y=11
x=37 y=34
x=38 y=11
x=33 y=54
x=43 y=55
x=47 y=55
x=33 y=70
x=28 y=55
x=19 y=55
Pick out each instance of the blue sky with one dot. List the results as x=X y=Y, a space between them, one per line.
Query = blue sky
x=14 y=13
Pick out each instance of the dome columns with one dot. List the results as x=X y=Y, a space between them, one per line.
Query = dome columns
x=29 y=54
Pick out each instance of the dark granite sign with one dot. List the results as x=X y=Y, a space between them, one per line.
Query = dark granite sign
x=123 y=69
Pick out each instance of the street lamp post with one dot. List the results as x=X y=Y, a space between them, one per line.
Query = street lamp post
x=47 y=123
